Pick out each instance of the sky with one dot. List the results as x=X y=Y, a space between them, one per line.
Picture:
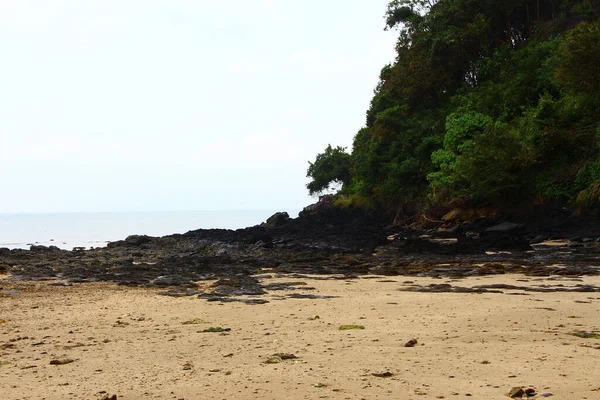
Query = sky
x=147 y=105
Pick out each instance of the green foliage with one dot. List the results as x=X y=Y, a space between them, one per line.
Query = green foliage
x=579 y=68
x=331 y=166
x=487 y=102
x=461 y=130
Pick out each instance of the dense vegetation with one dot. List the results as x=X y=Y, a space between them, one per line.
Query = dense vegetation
x=488 y=103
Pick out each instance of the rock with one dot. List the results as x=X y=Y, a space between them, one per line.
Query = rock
x=325 y=203
x=172 y=280
x=285 y=356
x=277 y=219
x=137 y=240
x=411 y=343
x=62 y=361
x=216 y=329
x=546 y=394
x=530 y=392
x=516 y=392
x=107 y=397
x=273 y=360
x=238 y=285
x=233 y=300
x=385 y=374
x=504 y=227
x=310 y=296
x=43 y=249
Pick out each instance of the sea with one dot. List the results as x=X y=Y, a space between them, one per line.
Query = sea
x=91 y=230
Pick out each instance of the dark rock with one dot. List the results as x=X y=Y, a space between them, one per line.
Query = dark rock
x=172 y=280
x=310 y=296
x=385 y=374
x=287 y=286
x=285 y=356
x=131 y=241
x=62 y=361
x=325 y=243
x=277 y=219
x=216 y=330
x=43 y=249
x=530 y=392
x=324 y=204
x=504 y=227
x=411 y=343
x=447 y=288
x=233 y=300
x=238 y=285
x=137 y=240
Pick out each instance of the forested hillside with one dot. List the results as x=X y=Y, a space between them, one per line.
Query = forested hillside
x=488 y=103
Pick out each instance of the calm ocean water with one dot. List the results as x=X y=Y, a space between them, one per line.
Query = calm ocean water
x=68 y=230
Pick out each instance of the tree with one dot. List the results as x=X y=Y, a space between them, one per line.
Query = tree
x=331 y=166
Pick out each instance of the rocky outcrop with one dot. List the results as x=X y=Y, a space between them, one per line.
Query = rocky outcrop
x=324 y=240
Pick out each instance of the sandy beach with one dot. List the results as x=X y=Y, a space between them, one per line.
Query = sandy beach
x=138 y=344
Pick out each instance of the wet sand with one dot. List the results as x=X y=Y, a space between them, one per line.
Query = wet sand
x=137 y=344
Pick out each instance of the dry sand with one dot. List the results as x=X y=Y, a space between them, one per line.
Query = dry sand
x=134 y=343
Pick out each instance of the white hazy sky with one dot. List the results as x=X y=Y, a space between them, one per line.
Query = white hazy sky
x=138 y=105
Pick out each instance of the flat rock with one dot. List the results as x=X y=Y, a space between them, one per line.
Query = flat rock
x=504 y=227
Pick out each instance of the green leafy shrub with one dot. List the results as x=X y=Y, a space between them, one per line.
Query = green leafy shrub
x=331 y=166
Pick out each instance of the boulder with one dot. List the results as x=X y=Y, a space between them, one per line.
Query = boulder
x=136 y=240
x=277 y=219
x=42 y=249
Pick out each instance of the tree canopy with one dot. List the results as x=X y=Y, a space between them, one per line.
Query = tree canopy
x=487 y=102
